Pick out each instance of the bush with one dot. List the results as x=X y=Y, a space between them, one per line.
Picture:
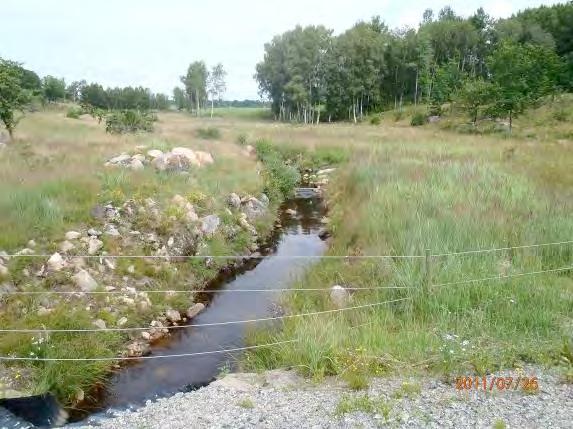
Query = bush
x=280 y=178
x=375 y=120
x=209 y=133
x=128 y=121
x=74 y=112
x=242 y=139
x=419 y=118
x=398 y=115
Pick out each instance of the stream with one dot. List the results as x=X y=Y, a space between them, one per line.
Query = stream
x=150 y=379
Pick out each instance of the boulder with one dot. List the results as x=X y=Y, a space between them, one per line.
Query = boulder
x=194 y=310
x=66 y=246
x=136 y=165
x=111 y=230
x=189 y=154
x=210 y=224
x=56 y=262
x=146 y=336
x=254 y=208
x=138 y=349
x=84 y=281
x=173 y=315
x=154 y=153
x=138 y=157
x=120 y=159
x=94 y=232
x=3 y=271
x=100 y=324
x=234 y=201
x=32 y=243
x=339 y=296
x=160 y=163
x=72 y=235
x=94 y=245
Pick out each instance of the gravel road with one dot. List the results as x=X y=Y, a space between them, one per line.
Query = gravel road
x=280 y=399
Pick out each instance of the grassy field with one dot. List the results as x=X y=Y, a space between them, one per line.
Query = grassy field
x=399 y=190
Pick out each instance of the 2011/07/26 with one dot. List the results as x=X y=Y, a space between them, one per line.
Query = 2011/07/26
x=528 y=384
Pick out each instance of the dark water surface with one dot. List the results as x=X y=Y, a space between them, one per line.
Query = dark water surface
x=150 y=379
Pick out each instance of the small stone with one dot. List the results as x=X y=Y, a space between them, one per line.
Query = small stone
x=84 y=281
x=94 y=245
x=122 y=321
x=94 y=232
x=3 y=271
x=339 y=296
x=43 y=311
x=80 y=395
x=204 y=158
x=120 y=158
x=25 y=252
x=56 y=262
x=111 y=230
x=72 y=235
x=66 y=246
x=139 y=157
x=210 y=224
x=154 y=153
x=170 y=242
x=137 y=349
x=191 y=216
x=291 y=212
x=131 y=269
x=173 y=315
x=146 y=335
x=31 y=243
x=99 y=323
x=194 y=310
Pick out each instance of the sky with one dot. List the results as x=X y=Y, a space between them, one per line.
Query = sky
x=151 y=43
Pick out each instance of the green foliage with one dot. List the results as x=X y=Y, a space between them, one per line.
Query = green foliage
x=419 y=118
x=242 y=139
x=363 y=403
x=375 y=120
x=195 y=82
x=209 y=133
x=13 y=96
x=280 y=178
x=129 y=121
x=54 y=89
x=476 y=93
x=74 y=112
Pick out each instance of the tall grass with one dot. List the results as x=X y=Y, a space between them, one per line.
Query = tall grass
x=393 y=201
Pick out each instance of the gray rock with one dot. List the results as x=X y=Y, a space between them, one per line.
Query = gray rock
x=138 y=349
x=97 y=212
x=154 y=153
x=254 y=208
x=173 y=315
x=56 y=262
x=339 y=296
x=234 y=200
x=194 y=310
x=32 y=243
x=120 y=159
x=66 y=246
x=3 y=271
x=84 y=281
x=72 y=235
x=111 y=230
x=100 y=324
x=210 y=224
x=94 y=245
x=94 y=232
x=136 y=165
x=264 y=199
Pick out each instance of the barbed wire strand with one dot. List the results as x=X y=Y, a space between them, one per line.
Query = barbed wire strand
x=501 y=277
x=499 y=249
x=127 y=293
x=202 y=325
x=119 y=358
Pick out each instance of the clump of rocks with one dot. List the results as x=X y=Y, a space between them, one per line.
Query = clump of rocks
x=178 y=159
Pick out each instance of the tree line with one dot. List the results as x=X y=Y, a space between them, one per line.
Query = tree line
x=501 y=66
x=199 y=86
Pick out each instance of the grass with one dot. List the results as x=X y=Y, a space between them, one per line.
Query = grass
x=363 y=403
x=246 y=403
x=416 y=190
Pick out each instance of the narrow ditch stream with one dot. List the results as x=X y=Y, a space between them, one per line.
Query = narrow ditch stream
x=150 y=379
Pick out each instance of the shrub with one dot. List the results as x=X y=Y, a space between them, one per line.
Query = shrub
x=128 y=121
x=419 y=118
x=74 y=112
x=209 y=133
x=398 y=115
x=375 y=120
x=280 y=178
x=242 y=139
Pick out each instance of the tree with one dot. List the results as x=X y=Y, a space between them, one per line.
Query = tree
x=180 y=99
x=93 y=95
x=74 y=90
x=475 y=93
x=216 y=83
x=13 y=96
x=195 y=82
x=523 y=74
x=54 y=89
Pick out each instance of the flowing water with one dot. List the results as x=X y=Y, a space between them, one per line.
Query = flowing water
x=153 y=378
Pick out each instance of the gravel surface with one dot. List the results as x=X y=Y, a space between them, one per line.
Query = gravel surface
x=280 y=399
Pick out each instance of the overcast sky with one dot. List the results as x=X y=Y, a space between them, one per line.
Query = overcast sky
x=151 y=42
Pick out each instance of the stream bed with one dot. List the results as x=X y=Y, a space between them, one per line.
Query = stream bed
x=133 y=385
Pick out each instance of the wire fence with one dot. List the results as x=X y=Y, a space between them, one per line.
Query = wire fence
x=428 y=258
